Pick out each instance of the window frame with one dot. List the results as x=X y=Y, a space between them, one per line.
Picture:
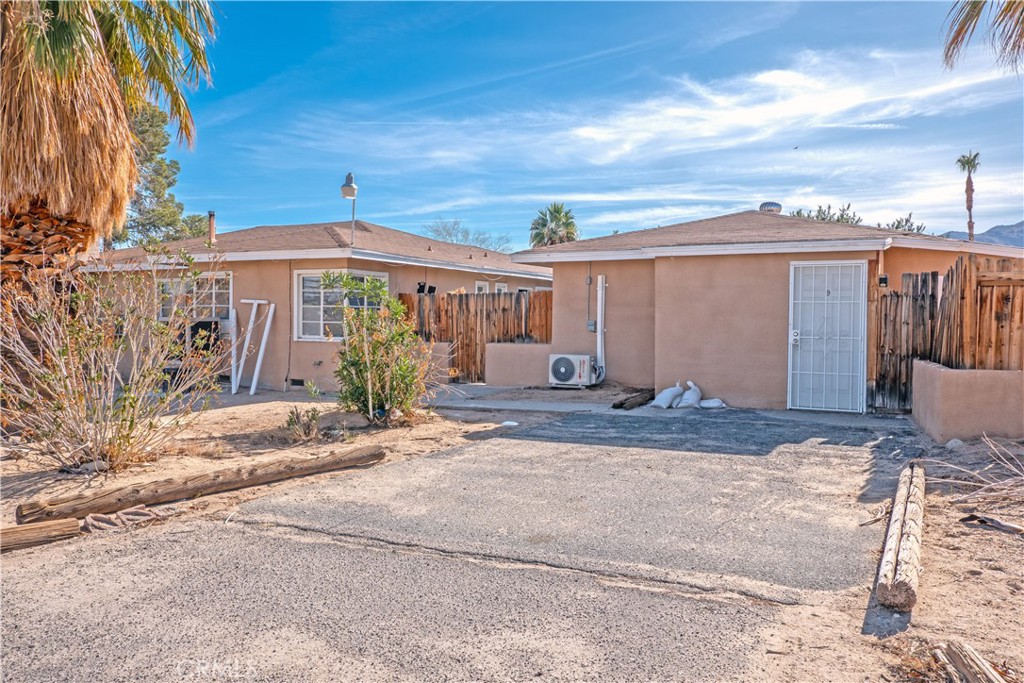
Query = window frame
x=501 y=288
x=297 y=298
x=212 y=275
x=484 y=284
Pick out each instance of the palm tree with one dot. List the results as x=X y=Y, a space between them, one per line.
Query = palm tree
x=968 y=163
x=71 y=76
x=1006 y=30
x=553 y=225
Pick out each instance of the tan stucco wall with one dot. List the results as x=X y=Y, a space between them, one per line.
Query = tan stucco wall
x=517 y=365
x=288 y=358
x=629 y=317
x=725 y=324
x=897 y=261
x=965 y=404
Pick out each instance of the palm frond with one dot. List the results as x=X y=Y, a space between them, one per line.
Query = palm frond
x=1005 y=31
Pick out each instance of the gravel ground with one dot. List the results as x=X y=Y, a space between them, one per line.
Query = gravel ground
x=675 y=547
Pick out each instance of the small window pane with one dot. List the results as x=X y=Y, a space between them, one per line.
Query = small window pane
x=310 y=298
x=332 y=297
x=334 y=314
x=311 y=282
x=310 y=314
x=311 y=330
x=336 y=330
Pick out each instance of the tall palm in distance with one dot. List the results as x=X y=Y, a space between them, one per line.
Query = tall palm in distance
x=72 y=74
x=553 y=225
x=968 y=163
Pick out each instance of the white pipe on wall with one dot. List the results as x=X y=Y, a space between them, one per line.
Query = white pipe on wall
x=601 y=286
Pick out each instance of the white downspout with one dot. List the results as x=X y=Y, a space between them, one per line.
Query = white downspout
x=601 y=285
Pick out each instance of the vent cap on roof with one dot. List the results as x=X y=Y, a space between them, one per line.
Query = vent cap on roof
x=770 y=207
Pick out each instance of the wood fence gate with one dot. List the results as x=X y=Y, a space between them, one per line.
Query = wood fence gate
x=468 y=322
x=974 y=319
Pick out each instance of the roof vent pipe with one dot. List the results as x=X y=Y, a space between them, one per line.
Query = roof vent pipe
x=212 y=235
x=770 y=207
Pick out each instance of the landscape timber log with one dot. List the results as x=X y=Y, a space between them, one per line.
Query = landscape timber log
x=897 y=583
x=908 y=567
x=635 y=401
x=971 y=666
x=184 y=488
x=28 y=535
x=887 y=568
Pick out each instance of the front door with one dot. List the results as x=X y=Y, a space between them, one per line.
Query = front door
x=827 y=331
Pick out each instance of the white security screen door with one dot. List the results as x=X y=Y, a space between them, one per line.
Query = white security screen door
x=827 y=331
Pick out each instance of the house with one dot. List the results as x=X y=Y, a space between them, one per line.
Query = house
x=283 y=264
x=759 y=309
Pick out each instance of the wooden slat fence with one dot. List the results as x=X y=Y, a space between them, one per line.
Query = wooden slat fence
x=975 y=320
x=470 y=321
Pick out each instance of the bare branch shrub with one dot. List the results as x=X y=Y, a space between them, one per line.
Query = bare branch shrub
x=106 y=367
x=1000 y=481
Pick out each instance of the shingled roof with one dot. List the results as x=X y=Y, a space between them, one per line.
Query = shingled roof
x=743 y=228
x=267 y=242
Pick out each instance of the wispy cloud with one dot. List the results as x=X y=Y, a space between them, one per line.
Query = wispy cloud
x=827 y=127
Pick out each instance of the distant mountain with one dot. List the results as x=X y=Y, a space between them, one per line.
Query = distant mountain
x=1000 y=234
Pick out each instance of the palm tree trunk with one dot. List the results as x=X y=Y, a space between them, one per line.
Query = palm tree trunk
x=36 y=239
x=969 y=191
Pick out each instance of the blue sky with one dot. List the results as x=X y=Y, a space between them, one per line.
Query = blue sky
x=635 y=115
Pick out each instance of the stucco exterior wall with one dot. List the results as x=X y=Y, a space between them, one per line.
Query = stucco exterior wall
x=288 y=358
x=723 y=323
x=517 y=365
x=629 y=317
x=964 y=404
x=897 y=261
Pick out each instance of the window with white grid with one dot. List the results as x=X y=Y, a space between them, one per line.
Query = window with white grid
x=320 y=310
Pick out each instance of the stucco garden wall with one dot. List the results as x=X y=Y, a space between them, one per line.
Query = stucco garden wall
x=517 y=365
x=964 y=404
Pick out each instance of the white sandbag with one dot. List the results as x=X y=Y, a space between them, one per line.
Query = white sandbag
x=712 y=403
x=667 y=397
x=675 y=403
x=691 y=397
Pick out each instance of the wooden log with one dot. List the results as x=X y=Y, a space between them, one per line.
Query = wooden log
x=887 y=567
x=952 y=675
x=183 y=488
x=27 y=535
x=908 y=566
x=635 y=400
x=971 y=666
x=898 y=590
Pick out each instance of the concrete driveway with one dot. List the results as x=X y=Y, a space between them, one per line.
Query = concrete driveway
x=592 y=547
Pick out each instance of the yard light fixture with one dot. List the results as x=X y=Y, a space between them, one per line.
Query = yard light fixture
x=348 y=191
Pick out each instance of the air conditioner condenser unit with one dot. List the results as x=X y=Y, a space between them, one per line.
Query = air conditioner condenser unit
x=571 y=370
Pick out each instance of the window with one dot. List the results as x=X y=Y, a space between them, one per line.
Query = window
x=521 y=290
x=482 y=287
x=210 y=297
x=320 y=311
x=500 y=288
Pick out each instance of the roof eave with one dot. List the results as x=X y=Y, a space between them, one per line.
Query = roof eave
x=641 y=253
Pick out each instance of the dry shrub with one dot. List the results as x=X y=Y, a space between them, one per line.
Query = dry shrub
x=106 y=367
x=303 y=425
x=997 y=482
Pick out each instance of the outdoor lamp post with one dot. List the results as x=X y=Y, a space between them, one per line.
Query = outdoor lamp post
x=348 y=191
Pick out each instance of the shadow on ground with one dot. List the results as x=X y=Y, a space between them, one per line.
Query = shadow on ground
x=890 y=442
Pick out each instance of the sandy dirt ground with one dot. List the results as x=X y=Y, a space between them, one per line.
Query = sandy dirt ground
x=243 y=429
x=972 y=588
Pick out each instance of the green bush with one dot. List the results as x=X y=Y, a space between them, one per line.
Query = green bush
x=383 y=365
